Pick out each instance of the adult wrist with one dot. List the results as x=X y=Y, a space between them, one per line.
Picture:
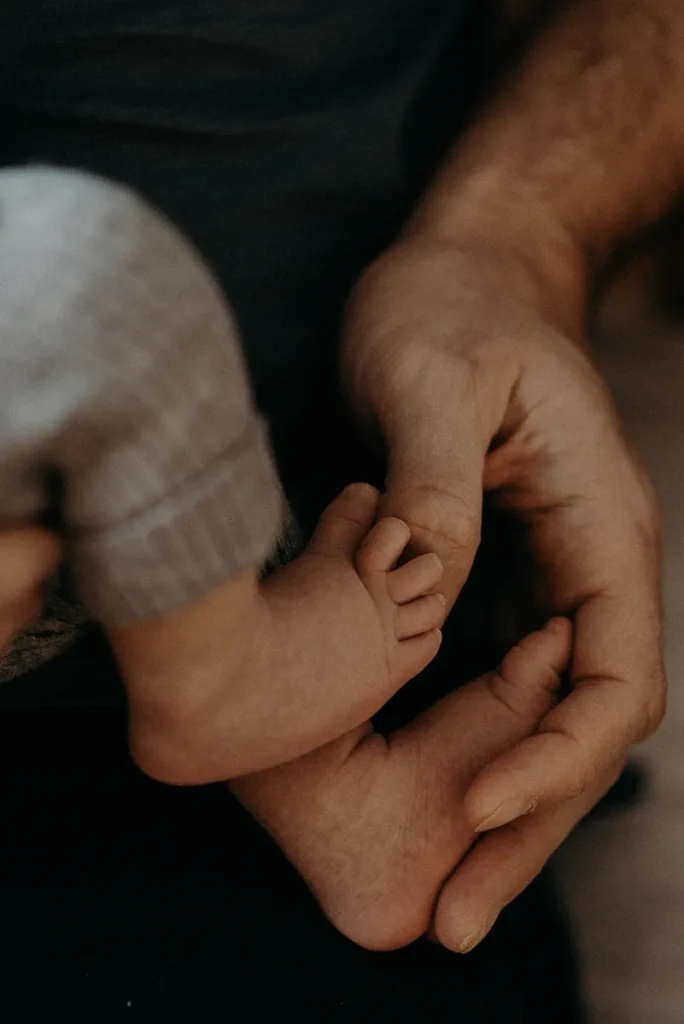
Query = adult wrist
x=489 y=213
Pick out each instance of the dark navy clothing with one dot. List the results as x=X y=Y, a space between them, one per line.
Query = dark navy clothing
x=288 y=138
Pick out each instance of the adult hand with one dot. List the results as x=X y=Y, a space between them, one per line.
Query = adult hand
x=27 y=556
x=457 y=350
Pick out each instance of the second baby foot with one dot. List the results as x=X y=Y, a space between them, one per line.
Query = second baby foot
x=375 y=827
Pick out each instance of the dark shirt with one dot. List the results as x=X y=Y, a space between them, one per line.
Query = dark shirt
x=288 y=138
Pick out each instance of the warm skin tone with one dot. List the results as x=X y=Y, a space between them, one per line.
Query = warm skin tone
x=263 y=671
x=465 y=349
x=375 y=826
x=27 y=556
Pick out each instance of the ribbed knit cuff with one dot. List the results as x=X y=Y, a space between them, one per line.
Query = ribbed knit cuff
x=173 y=553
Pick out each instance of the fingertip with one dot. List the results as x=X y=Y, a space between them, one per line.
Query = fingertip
x=459 y=928
x=472 y=809
x=481 y=806
x=473 y=939
x=500 y=794
x=504 y=814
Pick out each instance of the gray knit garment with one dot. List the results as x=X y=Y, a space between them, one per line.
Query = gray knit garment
x=122 y=377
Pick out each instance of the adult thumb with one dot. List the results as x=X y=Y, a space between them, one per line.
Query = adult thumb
x=435 y=484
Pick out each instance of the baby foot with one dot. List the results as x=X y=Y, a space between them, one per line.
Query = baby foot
x=375 y=827
x=263 y=671
x=347 y=626
x=408 y=612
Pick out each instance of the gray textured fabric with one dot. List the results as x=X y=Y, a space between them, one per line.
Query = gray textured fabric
x=121 y=373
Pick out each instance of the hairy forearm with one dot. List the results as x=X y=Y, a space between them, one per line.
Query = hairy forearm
x=588 y=133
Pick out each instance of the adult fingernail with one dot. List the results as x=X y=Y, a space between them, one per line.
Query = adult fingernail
x=506 y=812
x=471 y=941
x=476 y=937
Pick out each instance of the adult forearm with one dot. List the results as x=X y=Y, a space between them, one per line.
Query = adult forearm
x=587 y=134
